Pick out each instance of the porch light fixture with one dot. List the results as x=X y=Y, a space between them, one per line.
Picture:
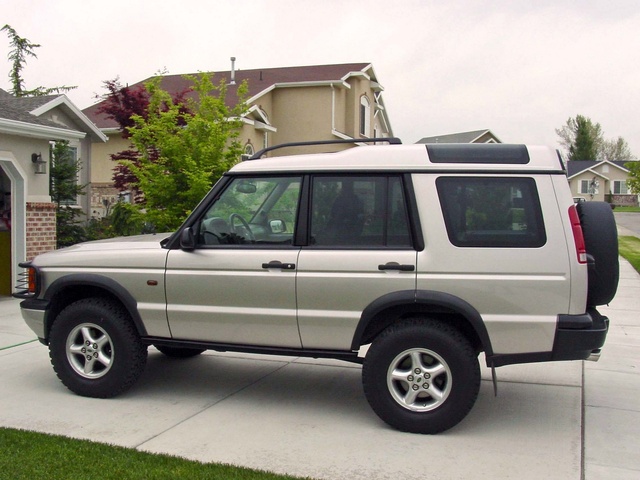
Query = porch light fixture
x=39 y=164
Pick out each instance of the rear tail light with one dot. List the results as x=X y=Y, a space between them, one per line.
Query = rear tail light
x=578 y=237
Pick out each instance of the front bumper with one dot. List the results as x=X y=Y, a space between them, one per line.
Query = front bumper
x=34 y=312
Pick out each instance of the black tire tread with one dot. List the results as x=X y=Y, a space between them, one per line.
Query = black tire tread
x=427 y=422
x=123 y=375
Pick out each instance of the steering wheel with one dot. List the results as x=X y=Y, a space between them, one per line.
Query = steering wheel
x=245 y=224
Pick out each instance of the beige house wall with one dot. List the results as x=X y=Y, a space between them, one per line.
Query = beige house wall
x=102 y=165
x=37 y=186
x=340 y=95
x=576 y=182
x=605 y=174
x=301 y=114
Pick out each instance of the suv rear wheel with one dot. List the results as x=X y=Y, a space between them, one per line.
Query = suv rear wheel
x=95 y=349
x=421 y=376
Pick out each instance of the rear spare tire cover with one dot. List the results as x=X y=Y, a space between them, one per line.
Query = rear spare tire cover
x=601 y=241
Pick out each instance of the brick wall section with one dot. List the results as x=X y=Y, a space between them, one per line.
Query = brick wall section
x=624 y=200
x=41 y=228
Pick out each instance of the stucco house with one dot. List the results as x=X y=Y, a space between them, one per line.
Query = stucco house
x=288 y=104
x=602 y=181
x=27 y=127
x=474 y=136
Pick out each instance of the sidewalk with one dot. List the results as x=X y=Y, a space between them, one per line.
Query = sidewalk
x=612 y=389
x=562 y=420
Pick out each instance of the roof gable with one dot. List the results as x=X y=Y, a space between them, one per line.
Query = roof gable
x=19 y=114
x=260 y=81
x=474 y=136
x=577 y=167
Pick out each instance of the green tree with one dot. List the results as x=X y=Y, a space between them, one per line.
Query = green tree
x=616 y=149
x=633 y=179
x=64 y=192
x=184 y=147
x=21 y=49
x=584 y=140
x=581 y=138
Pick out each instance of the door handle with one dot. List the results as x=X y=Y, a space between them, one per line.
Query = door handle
x=280 y=265
x=397 y=266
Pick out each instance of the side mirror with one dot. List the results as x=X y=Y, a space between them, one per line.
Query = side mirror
x=187 y=239
x=277 y=226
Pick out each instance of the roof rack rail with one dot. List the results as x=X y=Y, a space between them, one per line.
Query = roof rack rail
x=389 y=140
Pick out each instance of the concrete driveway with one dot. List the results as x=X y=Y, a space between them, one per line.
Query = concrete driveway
x=628 y=223
x=564 y=420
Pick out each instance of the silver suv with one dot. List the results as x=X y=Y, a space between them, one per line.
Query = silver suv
x=411 y=260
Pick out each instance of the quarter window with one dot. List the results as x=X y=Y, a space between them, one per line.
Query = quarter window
x=492 y=212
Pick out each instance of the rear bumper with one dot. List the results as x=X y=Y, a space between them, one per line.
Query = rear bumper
x=578 y=337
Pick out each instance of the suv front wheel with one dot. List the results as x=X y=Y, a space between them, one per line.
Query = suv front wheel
x=95 y=349
x=421 y=376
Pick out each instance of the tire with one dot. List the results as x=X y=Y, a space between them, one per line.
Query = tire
x=601 y=241
x=431 y=358
x=179 y=352
x=95 y=349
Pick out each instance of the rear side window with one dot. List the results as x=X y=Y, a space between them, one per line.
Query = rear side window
x=492 y=212
x=359 y=212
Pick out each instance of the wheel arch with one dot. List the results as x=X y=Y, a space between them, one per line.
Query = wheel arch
x=396 y=306
x=71 y=288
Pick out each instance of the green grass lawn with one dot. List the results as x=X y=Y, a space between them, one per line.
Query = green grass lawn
x=29 y=455
x=626 y=209
x=629 y=248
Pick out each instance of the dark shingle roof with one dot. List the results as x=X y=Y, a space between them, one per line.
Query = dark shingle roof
x=574 y=167
x=19 y=108
x=258 y=80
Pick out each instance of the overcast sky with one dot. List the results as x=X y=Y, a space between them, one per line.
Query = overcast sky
x=519 y=68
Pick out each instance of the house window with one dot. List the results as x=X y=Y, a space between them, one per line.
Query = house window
x=248 y=149
x=365 y=116
x=584 y=186
x=620 y=187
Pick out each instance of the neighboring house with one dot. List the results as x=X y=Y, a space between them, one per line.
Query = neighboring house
x=476 y=136
x=289 y=104
x=27 y=126
x=603 y=181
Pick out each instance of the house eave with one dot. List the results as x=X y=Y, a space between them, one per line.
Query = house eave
x=14 y=127
x=591 y=171
x=312 y=83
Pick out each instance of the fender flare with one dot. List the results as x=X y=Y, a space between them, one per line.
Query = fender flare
x=105 y=283
x=411 y=300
